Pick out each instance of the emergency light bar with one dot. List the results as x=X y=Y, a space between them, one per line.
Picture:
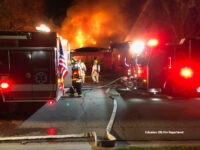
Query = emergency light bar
x=17 y=37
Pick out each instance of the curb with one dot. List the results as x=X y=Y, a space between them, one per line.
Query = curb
x=22 y=138
x=108 y=142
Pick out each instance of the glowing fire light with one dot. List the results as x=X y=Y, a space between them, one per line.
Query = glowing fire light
x=80 y=38
x=43 y=27
x=186 y=72
x=93 y=41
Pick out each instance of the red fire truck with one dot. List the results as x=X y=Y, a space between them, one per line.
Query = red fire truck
x=29 y=67
x=131 y=66
x=170 y=68
x=175 y=68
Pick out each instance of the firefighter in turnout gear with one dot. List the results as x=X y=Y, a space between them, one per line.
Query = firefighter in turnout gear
x=76 y=78
x=95 y=72
x=83 y=69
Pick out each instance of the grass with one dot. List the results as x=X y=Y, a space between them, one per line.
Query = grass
x=159 y=148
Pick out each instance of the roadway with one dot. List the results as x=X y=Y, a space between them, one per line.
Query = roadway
x=141 y=116
x=70 y=115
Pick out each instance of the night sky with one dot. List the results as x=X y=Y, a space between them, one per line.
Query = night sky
x=56 y=9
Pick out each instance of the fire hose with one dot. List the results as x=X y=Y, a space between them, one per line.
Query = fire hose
x=106 y=85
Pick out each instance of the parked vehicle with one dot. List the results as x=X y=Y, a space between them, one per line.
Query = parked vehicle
x=29 y=67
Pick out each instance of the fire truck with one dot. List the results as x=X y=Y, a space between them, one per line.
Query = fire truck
x=175 y=68
x=29 y=69
x=131 y=66
x=169 y=68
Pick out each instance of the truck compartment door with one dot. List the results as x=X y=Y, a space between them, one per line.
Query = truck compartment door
x=4 y=66
x=20 y=76
x=43 y=68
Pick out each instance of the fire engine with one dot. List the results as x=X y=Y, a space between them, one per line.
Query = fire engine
x=29 y=69
x=169 y=68
x=175 y=68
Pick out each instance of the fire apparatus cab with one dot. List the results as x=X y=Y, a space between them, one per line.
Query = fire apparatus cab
x=29 y=67
x=131 y=67
x=169 y=68
x=175 y=68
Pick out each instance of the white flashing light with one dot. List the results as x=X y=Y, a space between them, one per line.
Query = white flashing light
x=198 y=89
x=43 y=28
x=154 y=90
x=156 y=99
x=137 y=47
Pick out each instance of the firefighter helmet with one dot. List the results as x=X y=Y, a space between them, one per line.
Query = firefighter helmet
x=73 y=60
x=95 y=61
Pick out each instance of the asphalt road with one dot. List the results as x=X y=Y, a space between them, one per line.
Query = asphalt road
x=147 y=117
x=67 y=116
x=139 y=116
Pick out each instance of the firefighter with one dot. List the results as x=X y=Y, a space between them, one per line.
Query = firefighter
x=76 y=78
x=83 y=69
x=95 y=72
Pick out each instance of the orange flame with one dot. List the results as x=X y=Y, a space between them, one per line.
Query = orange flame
x=94 y=24
x=81 y=39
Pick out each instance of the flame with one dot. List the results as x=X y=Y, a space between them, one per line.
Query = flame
x=82 y=38
x=94 y=23
x=79 y=38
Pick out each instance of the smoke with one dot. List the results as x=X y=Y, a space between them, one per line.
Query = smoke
x=21 y=14
x=96 y=23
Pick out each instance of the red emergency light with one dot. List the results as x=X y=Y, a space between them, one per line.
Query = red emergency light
x=4 y=85
x=129 y=71
x=139 y=71
x=186 y=72
x=51 y=102
x=152 y=42
x=51 y=131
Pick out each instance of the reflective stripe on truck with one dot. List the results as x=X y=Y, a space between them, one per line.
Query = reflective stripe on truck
x=33 y=87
